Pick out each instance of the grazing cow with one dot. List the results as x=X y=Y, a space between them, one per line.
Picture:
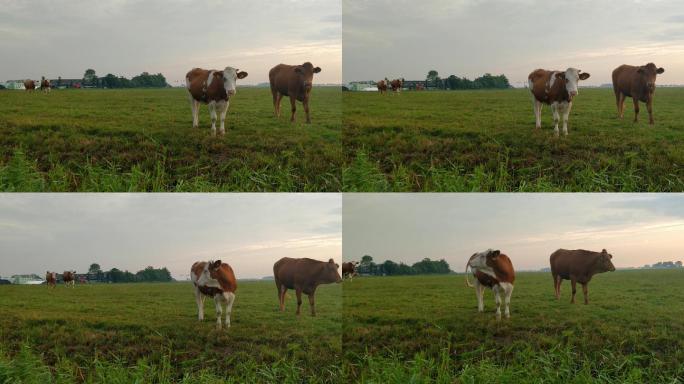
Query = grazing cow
x=494 y=270
x=69 y=278
x=382 y=86
x=397 y=84
x=349 y=269
x=303 y=275
x=45 y=85
x=555 y=88
x=214 y=279
x=295 y=81
x=637 y=83
x=29 y=85
x=51 y=279
x=578 y=265
x=213 y=88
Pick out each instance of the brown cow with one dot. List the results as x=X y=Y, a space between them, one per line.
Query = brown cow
x=555 y=88
x=637 y=83
x=396 y=85
x=382 y=86
x=29 y=85
x=578 y=266
x=494 y=270
x=217 y=280
x=214 y=88
x=349 y=269
x=295 y=81
x=51 y=279
x=303 y=275
x=69 y=278
x=45 y=85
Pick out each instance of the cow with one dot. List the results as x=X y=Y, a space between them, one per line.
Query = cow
x=494 y=270
x=51 y=279
x=555 y=88
x=349 y=269
x=396 y=85
x=382 y=86
x=637 y=83
x=214 y=88
x=295 y=81
x=29 y=85
x=303 y=275
x=69 y=278
x=578 y=266
x=214 y=279
x=45 y=85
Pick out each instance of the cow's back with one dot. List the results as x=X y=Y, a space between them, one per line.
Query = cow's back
x=623 y=78
x=282 y=78
x=538 y=81
x=295 y=273
x=567 y=263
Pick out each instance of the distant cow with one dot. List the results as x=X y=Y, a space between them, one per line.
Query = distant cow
x=396 y=85
x=349 y=269
x=492 y=269
x=29 y=85
x=303 y=275
x=51 y=279
x=637 y=83
x=382 y=86
x=555 y=88
x=45 y=85
x=214 y=88
x=214 y=279
x=295 y=81
x=578 y=266
x=69 y=278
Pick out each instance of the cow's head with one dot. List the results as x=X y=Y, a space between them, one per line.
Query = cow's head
x=306 y=72
x=212 y=268
x=330 y=272
x=648 y=73
x=604 y=263
x=484 y=260
x=571 y=78
x=230 y=76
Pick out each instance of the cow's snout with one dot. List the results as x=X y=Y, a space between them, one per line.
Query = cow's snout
x=573 y=93
x=651 y=86
x=231 y=92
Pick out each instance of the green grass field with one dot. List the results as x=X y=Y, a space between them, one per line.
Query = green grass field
x=149 y=333
x=424 y=329
x=143 y=140
x=486 y=141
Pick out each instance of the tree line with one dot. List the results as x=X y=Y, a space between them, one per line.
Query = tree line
x=665 y=265
x=453 y=82
x=389 y=268
x=115 y=275
x=143 y=80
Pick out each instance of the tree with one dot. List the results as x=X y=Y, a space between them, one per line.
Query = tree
x=89 y=77
x=366 y=259
x=432 y=75
x=679 y=264
x=94 y=268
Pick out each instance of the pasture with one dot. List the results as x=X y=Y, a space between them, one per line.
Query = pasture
x=486 y=141
x=143 y=140
x=149 y=333
x=426 y=329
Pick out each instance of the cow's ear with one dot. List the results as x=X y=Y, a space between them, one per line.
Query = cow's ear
x=216 y=264
x=560 y=75
x=660 y=70
x=241 y=75
x=496 y=253
x=317 y=69
x=331 y=261
x=298 y=70
x=584 y=76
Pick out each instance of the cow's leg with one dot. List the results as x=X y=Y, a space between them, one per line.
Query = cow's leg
x=537 y=112
x=306 y=110
x=223 y=110
x=566 y=115
x=508 y=291
x=276 y=102
x=195 y=105
x=586 y=293
x=230 y=299
x=199 y=299
x=299 y=300
x=312 y=304
x=649 y=107
x=212 y=113
x=556 y=117
x=218 y=301
x=293 y=107
x=497 y=298
x=636 y=109
x=574 y=290
x=620 y=100
x=479 y=292
x=283 y=291
x=557 y=280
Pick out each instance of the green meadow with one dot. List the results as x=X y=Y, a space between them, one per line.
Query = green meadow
x=149 y=333
x=143 y=140
x=486 y=141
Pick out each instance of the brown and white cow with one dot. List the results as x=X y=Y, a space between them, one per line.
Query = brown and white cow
x=29 y=85
x=555 y=88
x=295 y=81
x=396 y=85
x=69 y=278
x=382 y=86
x=637 y=83
x=303 y=275
x=214 y=88
x=214 y=279
x=45 y=85
x=578 y=266
x=349 y=269
x=494 y=270
x=51 y=279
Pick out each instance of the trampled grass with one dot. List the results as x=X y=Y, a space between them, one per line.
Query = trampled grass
x=486 y=141
x=149 y=333
x=424 y=329
x=143 y=140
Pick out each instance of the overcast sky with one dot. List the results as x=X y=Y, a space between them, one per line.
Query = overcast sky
x=636 y=229
x=57 y=232
x=406 y=38
x=127 y=37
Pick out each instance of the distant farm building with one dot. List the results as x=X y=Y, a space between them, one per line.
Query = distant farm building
x=54 y=83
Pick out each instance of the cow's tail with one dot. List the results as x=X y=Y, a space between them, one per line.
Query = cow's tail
x=468 y=284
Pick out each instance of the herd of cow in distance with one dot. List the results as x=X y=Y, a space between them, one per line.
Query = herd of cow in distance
x=491 y=269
